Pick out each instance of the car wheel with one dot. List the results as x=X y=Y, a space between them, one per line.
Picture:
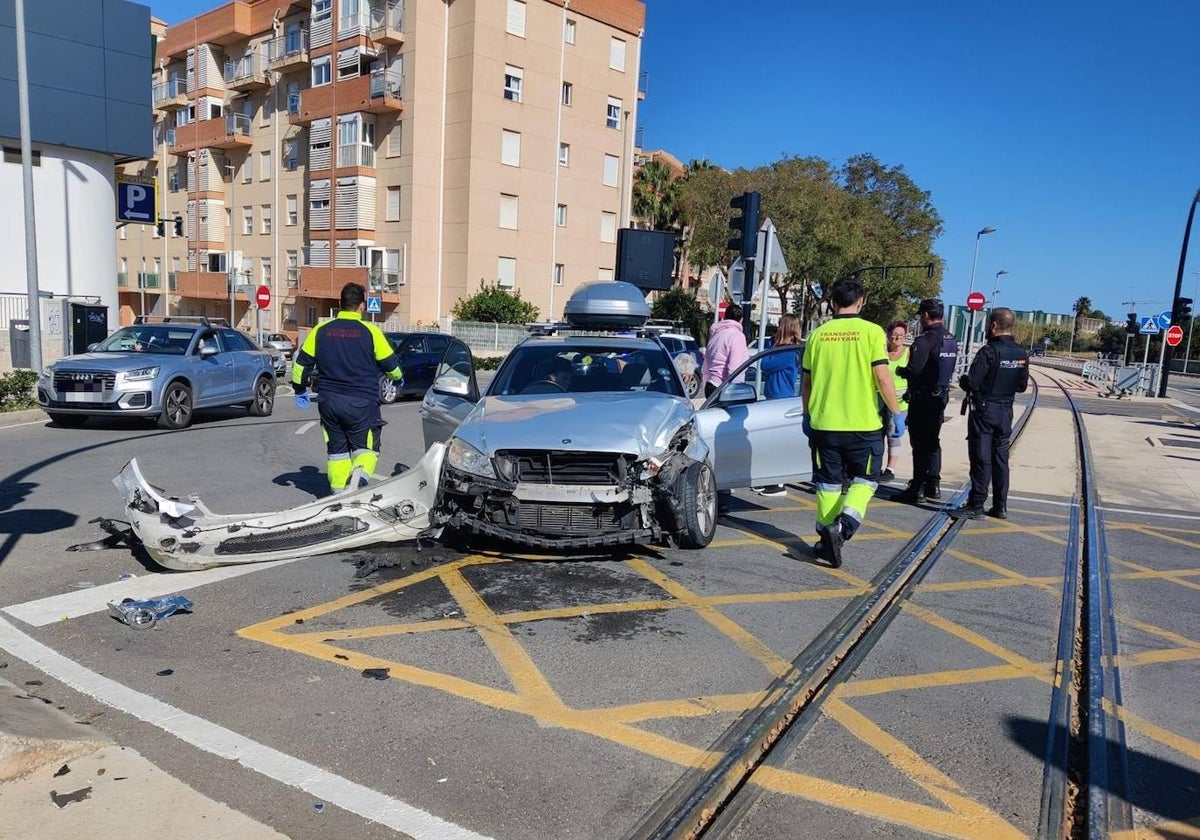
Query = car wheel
x=696 y=490
x=177 y=407
x=264 y=398
x=387 y=390
x=691 y=383
x=67 y=421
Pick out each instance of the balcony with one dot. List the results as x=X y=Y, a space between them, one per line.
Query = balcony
x=224 y=25
x=356 y=154
x=387 y=23
x=386 y=91
x=122 y=280
x=643 y=84
x=173 y=280
x=246 y=74
x=163 y=135
x=355 y=23
x=293 y=278
x=288 y=52
x=295 y=109
x=229 y=132
x=383 y=281
x=147 y=280
x=170 y=95
x=203 y=284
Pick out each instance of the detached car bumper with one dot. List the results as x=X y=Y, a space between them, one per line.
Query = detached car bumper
x=183 y=534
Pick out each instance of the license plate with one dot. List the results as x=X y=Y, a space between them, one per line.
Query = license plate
x=83 y=397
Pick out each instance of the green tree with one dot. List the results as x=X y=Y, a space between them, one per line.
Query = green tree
x=1060 y=337
x=1111 y=339
x=492 y=304
x=1082 y=309
x=704 y=208
x=656 y=195
x=676 y=304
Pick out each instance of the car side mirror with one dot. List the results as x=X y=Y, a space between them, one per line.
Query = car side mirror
x=205 y=352
x=93 y=346
x=451 y=385
x=738 y=393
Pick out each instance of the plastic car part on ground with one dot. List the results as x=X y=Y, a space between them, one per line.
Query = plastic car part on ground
x=183 y=534
x=142 y=615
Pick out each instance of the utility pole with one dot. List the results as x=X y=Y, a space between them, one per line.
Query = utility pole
x=31 y=258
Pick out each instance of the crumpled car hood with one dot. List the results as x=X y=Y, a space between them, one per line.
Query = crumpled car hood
x=640 y=423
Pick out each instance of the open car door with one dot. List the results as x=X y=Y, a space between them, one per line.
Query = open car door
x=756 y=440
x=452 y=396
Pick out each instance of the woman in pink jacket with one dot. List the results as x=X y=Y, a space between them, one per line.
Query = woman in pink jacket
x=726 y=349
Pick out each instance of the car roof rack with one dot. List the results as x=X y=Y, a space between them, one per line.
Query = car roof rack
x=203 y=320
x=565 y=328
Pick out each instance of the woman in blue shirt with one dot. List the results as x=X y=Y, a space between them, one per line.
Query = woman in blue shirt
x=780 y=372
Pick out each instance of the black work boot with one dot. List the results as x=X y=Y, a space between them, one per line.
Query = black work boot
x=911 y=495
x=998 y=512
x=833 y=539
x=967 y=511
x=933 y=489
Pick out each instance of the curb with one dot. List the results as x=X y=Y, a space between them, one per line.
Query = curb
x=29 y=415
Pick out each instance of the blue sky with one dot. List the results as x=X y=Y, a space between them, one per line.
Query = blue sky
x=1073 y=128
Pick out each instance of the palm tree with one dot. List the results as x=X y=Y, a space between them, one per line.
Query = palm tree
x=654 y=196
x=1083 y=308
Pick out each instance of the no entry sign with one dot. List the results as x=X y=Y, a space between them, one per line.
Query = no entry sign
x=262 y=296
x=1175 y=335
x=976 y=301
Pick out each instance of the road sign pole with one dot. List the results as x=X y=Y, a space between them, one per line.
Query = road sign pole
x=1162 y=356
x=1126 y=356
x=970 y=333
x=1146 y=358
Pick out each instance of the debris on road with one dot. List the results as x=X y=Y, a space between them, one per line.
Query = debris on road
x=376 y=673
x=141 y=615
x=165 y=672
x=62 y=800
x=62 y=771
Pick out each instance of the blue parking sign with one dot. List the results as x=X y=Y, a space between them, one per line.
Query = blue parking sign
x=374 y=305
x=137 y=200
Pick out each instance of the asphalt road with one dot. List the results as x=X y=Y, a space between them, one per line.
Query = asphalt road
x=528 y=697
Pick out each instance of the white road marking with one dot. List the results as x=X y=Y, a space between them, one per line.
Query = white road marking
x=79 y=602
x=307 y=426
x=1185 y=406
x=208 y=736
x=1107 y=509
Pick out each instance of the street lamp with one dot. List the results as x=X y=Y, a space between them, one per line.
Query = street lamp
x=995 y=289
x=971 y=321
x=1187 y=232
x=1187 y=351
x=230 y=272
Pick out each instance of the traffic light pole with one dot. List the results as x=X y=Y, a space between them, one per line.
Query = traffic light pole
x=1187 y=231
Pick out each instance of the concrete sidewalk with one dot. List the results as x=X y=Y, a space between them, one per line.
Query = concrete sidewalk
x=60 y=780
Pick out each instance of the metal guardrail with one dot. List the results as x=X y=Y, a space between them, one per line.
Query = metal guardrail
x=289 y=45
x=386 y=83
x=237 y=124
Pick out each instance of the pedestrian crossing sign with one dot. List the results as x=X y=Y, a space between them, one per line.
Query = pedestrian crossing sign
x=1149 y=326
x=374 y=305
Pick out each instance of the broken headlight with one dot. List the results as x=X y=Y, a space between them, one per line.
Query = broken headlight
x=466 y=458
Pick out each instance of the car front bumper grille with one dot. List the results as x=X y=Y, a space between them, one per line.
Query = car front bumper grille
x=557 y=467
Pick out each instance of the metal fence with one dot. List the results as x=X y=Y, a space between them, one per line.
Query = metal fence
x=488 y=338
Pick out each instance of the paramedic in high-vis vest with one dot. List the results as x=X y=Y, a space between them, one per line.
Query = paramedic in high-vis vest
x=845 y=374
x=350 y=354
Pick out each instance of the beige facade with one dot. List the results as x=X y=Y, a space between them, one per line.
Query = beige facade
x=418 y=148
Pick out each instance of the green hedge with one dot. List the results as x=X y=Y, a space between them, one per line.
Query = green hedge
x=488 y=362
x=17 y=390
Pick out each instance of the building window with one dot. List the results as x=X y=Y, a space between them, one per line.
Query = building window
x=506 y=272
x=512 y=82
x=395 y=139
x=569 y=31
x=265 y=212
x=559 y=271
x=248 y=170
x=310 y=316
x=564 y=154
x=266 y=271
x=604 y=275
x=321 y=71
x=292 y=211
x=608 y=227
x=268 y=107
x=291 y=154
x=612 y=165
x=560 y=215
x=393 y=205
x=614 y=113
x=568 y=90
x=508 y=211
x=510 y=147
x=247 y=220
x=616 y=54
x=265 y=166
x=175 y=264
x=246 y=271
x=515 y=24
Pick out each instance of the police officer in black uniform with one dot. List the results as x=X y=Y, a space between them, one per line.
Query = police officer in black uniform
x=1000 y=371
x=928 y=373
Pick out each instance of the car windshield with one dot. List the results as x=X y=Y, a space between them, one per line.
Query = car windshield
x=533 y=369
x=147 y=338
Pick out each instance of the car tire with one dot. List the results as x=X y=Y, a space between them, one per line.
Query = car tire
x=691 y=384
x=696 y=490
x=177 y=407
x=388 y=390
x=67 y=421
x=264 y=397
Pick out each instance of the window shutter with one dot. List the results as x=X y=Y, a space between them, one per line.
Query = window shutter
x=510 y=147
x=616 y=54
x=515 y=24
x=392 y=213
x=346 y=214
x=608 y=227
x=508 y=211
x=611 y=166
x=506 y=272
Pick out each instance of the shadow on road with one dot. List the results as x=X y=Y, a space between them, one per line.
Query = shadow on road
x=1159 y=786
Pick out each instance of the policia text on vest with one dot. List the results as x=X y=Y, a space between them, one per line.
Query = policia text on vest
x=846 y=372
x=350 y=354
x=999 y=371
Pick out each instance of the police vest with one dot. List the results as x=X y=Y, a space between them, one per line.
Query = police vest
x=934 y=378
x=1005 y=370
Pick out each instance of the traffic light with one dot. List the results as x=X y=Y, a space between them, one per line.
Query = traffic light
x=745 y=226
x=1182 y=310
x=179 y=225
x=160 y=227
x=1131 y=323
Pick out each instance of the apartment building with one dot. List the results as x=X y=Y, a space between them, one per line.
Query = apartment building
x=418 y=147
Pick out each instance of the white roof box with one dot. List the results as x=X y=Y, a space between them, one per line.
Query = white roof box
x=607 y=305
